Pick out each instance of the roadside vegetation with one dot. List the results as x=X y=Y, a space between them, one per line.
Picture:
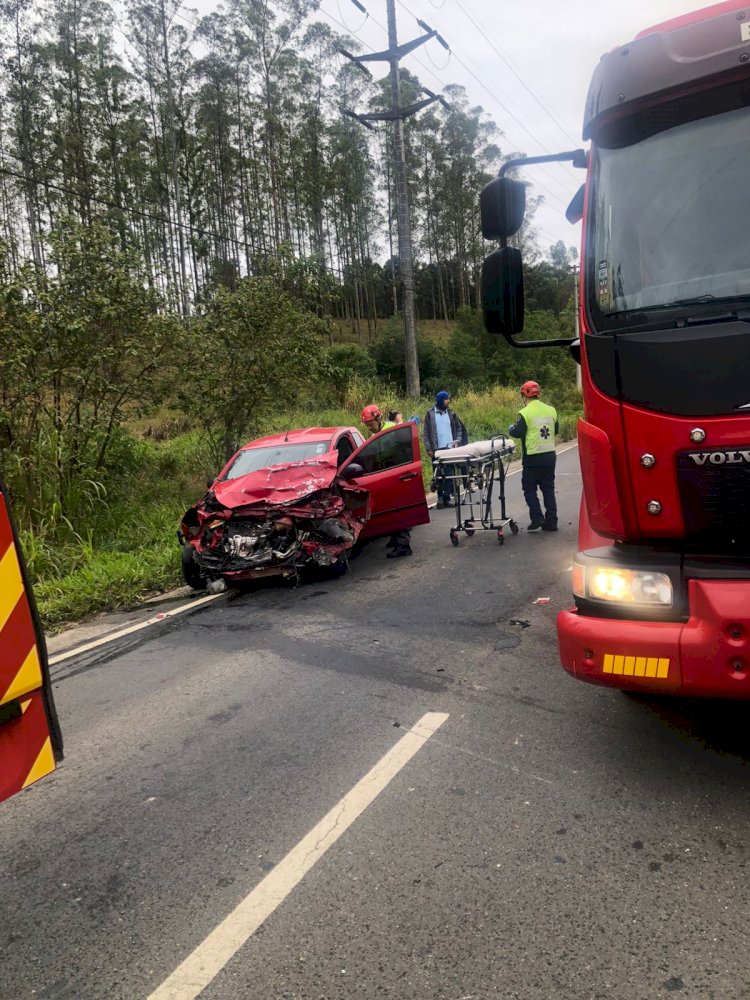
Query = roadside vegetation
x=196 y=248
x=114 y=414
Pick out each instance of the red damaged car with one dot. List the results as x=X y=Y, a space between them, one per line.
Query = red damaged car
x=302 y=499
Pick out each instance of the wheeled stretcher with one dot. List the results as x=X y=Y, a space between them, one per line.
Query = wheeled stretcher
x=475 y=475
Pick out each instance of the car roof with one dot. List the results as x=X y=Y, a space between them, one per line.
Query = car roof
x=298 y=436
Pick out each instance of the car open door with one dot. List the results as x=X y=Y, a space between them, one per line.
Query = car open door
x=30 y=740
x=392 y=474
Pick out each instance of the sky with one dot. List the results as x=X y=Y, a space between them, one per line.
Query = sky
x=527 y=63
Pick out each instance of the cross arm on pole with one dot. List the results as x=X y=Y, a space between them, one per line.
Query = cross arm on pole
x=398 y=53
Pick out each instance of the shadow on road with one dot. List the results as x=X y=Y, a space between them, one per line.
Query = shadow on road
x=719 y=725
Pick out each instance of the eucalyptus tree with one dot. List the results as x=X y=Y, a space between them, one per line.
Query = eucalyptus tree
x=78 y=31
x=269 y=34
x=164 y=59
x=27 y=118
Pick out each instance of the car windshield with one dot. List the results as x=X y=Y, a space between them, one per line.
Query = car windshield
x=670 y=216
x=253 y=459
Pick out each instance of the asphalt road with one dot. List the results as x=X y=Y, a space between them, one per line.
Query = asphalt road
x=548 y=839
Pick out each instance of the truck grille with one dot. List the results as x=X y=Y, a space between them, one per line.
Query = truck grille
x=715 y=495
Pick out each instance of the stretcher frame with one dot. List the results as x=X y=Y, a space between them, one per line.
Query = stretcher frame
x=470 y=475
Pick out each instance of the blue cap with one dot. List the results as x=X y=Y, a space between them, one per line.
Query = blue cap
x=442 y=396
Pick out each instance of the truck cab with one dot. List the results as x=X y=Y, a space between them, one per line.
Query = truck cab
x=662 y=577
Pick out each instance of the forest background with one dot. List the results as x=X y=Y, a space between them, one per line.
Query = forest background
x=197 y=246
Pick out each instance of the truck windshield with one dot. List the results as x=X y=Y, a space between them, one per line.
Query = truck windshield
x=670 y=218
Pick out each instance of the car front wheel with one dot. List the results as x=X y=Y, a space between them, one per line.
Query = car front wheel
x=190 y=569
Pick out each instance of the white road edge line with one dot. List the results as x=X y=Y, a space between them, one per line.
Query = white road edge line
x=193 y=975
x=162 y=616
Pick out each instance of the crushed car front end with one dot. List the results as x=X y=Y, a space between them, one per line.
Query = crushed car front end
x=276 y=524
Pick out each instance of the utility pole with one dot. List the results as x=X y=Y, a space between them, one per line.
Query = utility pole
x=397 y=115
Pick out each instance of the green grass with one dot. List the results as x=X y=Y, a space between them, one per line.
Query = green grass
x=128 y=549
x=108 y=580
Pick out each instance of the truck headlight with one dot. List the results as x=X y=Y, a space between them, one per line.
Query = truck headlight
x=622 y=586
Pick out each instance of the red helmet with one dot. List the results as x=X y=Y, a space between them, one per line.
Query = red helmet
x=371 y=412
x=530 y=389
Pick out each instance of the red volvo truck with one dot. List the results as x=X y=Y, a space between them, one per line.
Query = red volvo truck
x=662 y=576
x=30 y=739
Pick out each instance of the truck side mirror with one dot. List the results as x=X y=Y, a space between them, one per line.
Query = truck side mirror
x=574 y=211
x=502 y=205
x=502 y=292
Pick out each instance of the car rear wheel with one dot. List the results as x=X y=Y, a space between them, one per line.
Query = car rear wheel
x=190 y=569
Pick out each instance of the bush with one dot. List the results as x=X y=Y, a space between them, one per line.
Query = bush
x=253 y=353
x=348 y=362
x=390 y=362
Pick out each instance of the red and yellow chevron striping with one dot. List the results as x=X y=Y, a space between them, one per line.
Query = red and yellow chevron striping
x=26 y=752
x=25 y=745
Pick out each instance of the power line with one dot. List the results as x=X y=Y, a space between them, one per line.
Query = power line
x=508 y=112
x=353 y=31
x=523 y=83
x=539 y=183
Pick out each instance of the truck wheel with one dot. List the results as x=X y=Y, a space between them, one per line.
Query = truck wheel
x=190 y=570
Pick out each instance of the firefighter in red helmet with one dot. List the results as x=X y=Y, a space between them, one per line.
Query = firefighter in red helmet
x=374 y=420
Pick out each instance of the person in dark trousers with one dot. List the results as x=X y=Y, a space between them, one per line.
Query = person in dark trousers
x=399 y=544
x=443 y=428
x=536 y=426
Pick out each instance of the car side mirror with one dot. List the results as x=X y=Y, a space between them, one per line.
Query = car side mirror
x=502 y=292
x=502 y=206
x=352 y=471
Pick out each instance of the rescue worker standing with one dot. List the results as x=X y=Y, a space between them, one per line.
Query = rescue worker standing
x=399 y=544
x=536 y=426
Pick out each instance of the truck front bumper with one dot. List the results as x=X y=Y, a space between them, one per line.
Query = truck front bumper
x=707 y=656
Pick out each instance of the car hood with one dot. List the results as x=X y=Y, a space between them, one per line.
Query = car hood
x=281 y=484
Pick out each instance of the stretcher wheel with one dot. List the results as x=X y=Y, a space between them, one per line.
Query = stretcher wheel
x=513 y=527
x=469 y=528
x=469 y=531
x=454 y=538
x=500 y=538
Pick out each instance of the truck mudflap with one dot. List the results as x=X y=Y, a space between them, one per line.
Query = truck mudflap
x=708 y=656
x=30 y=740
